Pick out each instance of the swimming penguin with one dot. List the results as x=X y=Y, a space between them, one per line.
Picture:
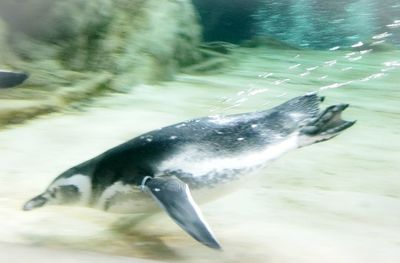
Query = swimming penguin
x=197 y=155
x=9 y=79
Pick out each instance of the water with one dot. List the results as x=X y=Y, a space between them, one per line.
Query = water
x=337 y=201
x=310 y=24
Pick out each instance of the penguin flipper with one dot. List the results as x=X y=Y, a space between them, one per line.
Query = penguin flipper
x=175 y=198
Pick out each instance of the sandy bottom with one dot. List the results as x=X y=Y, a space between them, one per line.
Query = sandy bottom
x=337 y=201
x=22 y=254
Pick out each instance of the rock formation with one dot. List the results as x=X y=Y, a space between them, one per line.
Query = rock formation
x=76 y=49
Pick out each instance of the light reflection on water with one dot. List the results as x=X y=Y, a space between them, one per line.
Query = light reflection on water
x=337 y=201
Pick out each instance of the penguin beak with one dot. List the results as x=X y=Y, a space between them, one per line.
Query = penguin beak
x=35 y=202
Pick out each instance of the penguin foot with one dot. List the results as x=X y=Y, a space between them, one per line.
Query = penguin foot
x=326 y=126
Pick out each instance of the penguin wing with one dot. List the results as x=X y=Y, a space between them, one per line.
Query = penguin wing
x=175 y=198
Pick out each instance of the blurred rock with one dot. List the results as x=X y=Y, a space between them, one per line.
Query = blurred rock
x=216 y=57
x=264 y=41
x=219 y=46
x=60 y=43
x=151 y=38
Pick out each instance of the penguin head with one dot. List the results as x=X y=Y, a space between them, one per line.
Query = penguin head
x=64 y=190
x=59 y=195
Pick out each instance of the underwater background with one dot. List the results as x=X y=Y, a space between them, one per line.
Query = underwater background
x=104 y=71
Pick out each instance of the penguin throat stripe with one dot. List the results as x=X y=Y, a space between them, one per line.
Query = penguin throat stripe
x=143 y=183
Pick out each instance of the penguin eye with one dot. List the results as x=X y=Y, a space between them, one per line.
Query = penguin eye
x=69 y=190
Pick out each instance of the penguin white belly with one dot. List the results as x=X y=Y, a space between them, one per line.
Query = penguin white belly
x=216 y=176
x=125 y=198
x=201 y=166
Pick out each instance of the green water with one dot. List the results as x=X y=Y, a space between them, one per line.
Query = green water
x=338 y=201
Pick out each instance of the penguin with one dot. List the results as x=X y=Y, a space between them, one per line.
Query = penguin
x=166 y=165
x=9 y=79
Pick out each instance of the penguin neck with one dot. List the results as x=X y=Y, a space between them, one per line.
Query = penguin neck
x=80 y=176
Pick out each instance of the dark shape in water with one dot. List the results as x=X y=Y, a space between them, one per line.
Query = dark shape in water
x=9 y=79
x=227 y=20
x=201 y=154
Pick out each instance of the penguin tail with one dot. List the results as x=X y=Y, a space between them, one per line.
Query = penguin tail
x=306 y=106
x=325 y=126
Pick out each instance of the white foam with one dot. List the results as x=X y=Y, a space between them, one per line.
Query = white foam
x=218 y=119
